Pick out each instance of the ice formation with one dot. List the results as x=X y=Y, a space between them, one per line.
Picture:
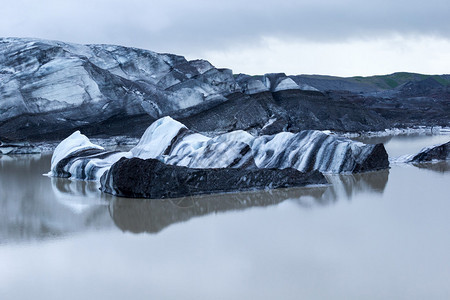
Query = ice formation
x=434 y=153
x=77 y=157
x=173 y=143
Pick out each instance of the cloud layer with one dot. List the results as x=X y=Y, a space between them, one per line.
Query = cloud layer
x=196 y=27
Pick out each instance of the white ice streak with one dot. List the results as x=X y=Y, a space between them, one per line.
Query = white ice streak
x=286 y=84
x=215 y=152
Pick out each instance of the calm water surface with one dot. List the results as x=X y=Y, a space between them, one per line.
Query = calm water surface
x=380 y=235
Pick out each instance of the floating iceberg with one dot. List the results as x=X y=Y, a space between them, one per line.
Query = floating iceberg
x=172 y=143
x=78 y=158
x=434 y=153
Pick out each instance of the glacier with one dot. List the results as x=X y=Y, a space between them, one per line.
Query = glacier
x=59 y=85
x=51 y=88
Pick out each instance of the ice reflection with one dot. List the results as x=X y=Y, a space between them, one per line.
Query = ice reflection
x=76 y=194
x=152 y=216
x=35 y=208
x=348 y=186
x=440 y=167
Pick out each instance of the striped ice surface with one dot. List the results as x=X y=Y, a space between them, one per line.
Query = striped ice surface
x=314 y=150
x=173 y=143
x=78 y=158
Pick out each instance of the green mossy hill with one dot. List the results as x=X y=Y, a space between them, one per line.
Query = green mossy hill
x=386 y=82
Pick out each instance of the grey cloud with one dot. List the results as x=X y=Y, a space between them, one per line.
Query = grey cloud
x=188 y=27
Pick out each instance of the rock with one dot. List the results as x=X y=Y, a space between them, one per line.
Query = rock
x=421 y=88
x=294 y=110
x=433 y=153
x=150 y=178
x=315 y=110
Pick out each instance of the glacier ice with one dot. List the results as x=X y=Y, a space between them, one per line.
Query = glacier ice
x=173 y=143
x=99 y=81
x=78 y=158
x=440 y=152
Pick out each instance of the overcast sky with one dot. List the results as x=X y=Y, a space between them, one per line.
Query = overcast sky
x=346 y=37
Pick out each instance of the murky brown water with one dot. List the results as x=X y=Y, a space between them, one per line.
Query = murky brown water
x=381 y=235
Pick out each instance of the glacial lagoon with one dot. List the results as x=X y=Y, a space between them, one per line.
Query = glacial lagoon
x=379 y=235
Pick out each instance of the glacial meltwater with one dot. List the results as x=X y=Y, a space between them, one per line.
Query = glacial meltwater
x=379 y=235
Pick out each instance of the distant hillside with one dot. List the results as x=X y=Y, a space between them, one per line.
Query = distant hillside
x=359 y=84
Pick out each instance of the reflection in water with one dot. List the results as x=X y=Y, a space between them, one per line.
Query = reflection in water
x=347 y=186
x=36 y=207
x=401 y=145
x=316 y=251
x=139 y=215
x=440 y=167
x=32 y=209
x=143 y=215
x=152 y=216
x=76 y=194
